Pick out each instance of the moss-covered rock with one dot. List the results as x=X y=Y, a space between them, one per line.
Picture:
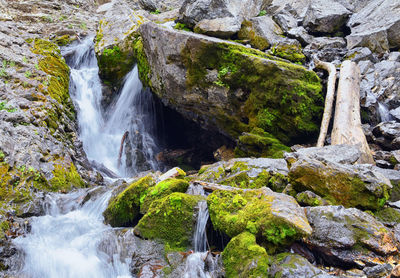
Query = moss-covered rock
x=276 y=219
x=243 y=257
x=287 y=265
x=170 y=219
x=65 y=177
x=231 y=88
x=308 y=198
x=161 y=190
x=125 y=207
x=259 y=143
x=388 y=216
x=247 y=173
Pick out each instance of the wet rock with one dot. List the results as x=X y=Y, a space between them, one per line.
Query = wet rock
x=170 y=219
x=378 y=271
x=247 y=173
x=262 y=32
x=220 y=18
x=125 y=207
x=349 y=237
x=326 y=49
x=345 y=184
x=387 y=134
x=173 y=173
x=300 y=34
x=293 y=266
x=360 y=54
x=276 y=217
x=326 y=16
x=243 y=257
x=376 y=26
x=206 y=90
x=286 y=20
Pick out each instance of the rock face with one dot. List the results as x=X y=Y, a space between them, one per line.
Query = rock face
x=326 y=16
x=349 y=237
x=161 y=6
x=274 y=217
x=318 y=170
x=376 y=26
x=218 y=18
x=229 y=87
x=115 y=33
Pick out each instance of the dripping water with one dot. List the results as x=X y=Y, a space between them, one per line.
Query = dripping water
x=121 y=136
x=384 y=114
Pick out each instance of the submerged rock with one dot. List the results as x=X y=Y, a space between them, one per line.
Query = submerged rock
x=243 y=257
x=349 y=237
x=319 y=170
x=171 y=219
x=275 y=218
x=230 y=88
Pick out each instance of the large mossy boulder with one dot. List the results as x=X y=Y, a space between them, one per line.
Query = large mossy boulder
x=247 y=173
x=275 y=218
x=170 y=219
x=125 y=207
x=349 y=237
x=160 y=190
x=116 y=32
x=230 y=88
x=330 y=173
x=243 y=257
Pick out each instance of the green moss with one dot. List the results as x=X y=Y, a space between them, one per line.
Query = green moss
x=170 y=219
x=388 y=215
x=234 y=212
x=63 y=40
x=142 y=63
x=289 y=52
x=4 y=227
x=181 y=26
x=125 y=207
x=243 y=257
x=337 y=187
x=65 y=177
x=259 y=143
x=308 y=198
x=247 y=32
x=161 y=190
x=284 y=99
x=54 y=65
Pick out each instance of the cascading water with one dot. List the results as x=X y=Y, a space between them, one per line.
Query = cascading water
x=201 y=264
x=66 y=242
x=121 y=137
x=384 y=112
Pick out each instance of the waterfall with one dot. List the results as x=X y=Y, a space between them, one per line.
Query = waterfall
x=384 y=112
x=121 y=137
x=67 y=241
x=201 y=264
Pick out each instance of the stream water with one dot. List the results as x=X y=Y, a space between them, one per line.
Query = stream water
x=71 y=240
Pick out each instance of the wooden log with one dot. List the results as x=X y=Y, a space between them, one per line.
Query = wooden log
x=347 y=122
x=330 y=94
x=208 y=186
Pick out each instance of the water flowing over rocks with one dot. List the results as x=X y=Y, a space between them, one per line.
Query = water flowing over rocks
x=237 y=79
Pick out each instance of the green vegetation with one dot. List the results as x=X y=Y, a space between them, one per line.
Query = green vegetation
x=171 y=220
x=243 y=258
x=156 y=12
x=262 y=13
x=181 y=26
x=4 y=106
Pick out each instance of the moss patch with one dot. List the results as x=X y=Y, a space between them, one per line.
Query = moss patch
x=125 y=207
x=65 y=177
x=234 y=212
x=170 y=219
x=243 y=257
x=161 y=190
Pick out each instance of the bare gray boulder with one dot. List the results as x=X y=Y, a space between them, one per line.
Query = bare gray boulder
x=161 y=6
x=326 y=16
x=349 y=237
x=376 y=26
x=216 y=16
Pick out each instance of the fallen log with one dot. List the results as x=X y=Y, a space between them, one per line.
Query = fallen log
x=208 y=186
x=330 y=94
x=121 y=148
x=347 y=127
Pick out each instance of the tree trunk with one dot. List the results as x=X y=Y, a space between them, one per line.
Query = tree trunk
x=330 y=94
x=347 y=123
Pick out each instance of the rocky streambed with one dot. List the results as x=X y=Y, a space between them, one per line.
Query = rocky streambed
x=175 y=139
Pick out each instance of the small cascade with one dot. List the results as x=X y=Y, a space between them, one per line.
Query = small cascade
x=201 y=264
x=384 y=114
x=121 y=137
x=67 y=241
